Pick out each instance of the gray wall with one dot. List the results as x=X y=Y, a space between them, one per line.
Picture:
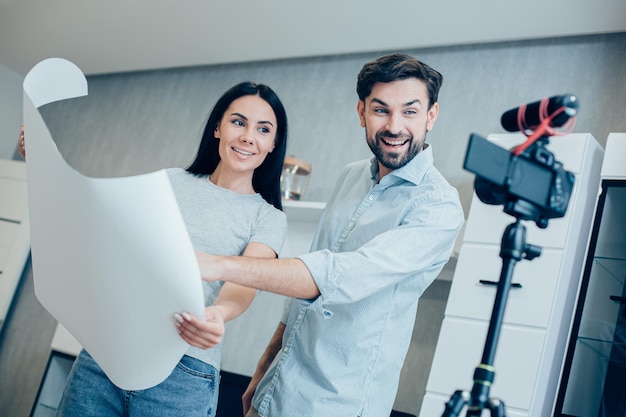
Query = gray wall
x=139 y=122
x=10 y=110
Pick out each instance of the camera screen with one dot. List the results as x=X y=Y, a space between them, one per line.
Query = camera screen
x=530 y=181
x=487 y=159
x=520 y=176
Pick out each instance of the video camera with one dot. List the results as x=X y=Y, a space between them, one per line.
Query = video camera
x=527 y=180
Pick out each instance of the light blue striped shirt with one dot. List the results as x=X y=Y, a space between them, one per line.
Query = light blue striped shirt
x=378 y=246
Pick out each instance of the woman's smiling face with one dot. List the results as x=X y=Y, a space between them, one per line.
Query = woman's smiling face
x=246 y=132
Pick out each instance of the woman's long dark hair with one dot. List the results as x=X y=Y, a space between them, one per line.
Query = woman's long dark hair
x=266 y=178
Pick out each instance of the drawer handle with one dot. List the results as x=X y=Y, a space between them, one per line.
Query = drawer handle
x=617 y=298
x=487 y=282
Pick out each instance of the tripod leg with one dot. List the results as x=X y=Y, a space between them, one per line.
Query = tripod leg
x=456 y=403
x=497 y=408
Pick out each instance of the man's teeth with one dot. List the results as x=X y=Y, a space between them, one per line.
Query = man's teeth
x=395 y=142
x=243 y=152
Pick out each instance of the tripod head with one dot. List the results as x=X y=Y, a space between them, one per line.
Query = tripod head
x=527 y=180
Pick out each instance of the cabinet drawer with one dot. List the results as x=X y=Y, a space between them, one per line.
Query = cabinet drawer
x=14 y=201
x=8 y=234
x=529 y=305
x=433 y=405
x=486 y=224
x=460 y=348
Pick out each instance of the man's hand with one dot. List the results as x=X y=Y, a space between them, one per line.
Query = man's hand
x=264 y=363
x=208 y=266
x=246 y=398
x=287 y=276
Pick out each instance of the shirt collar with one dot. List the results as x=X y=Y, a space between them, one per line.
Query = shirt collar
x=412 y=172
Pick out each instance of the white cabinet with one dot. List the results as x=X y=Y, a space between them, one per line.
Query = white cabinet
x=539 y=307
x=14 y=230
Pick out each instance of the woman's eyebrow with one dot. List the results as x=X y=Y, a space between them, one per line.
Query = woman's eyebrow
x=245 y=118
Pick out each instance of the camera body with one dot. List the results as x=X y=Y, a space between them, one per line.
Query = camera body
x=531 y=186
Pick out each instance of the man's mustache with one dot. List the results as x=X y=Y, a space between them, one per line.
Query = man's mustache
x=389 y=135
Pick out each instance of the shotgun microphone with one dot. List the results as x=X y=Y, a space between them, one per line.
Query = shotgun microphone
x=529 y=116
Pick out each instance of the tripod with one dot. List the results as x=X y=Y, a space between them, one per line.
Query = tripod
x=513 y=248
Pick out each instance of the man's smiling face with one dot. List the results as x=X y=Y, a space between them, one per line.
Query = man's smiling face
x=396 y=119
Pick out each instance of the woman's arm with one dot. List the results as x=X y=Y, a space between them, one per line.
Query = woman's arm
x=21 y=149
x=232 y=300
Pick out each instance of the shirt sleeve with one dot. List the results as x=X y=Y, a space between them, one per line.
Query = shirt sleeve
x=418 y=247
x=271 y=228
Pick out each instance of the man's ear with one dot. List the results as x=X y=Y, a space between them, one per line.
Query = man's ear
x=433 y=113
x=360 y=109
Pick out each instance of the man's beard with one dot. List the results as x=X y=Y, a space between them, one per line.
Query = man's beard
x=394 y=160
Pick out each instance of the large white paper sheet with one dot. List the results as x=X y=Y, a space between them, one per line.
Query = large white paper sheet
x=112 y=260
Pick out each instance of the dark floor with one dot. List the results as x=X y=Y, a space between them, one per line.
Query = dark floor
x=24 y=349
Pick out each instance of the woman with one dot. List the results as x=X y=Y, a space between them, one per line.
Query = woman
x=230 y=201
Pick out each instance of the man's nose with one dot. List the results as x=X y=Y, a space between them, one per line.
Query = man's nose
x=394 y=124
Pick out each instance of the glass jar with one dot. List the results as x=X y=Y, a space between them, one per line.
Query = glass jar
x=294 y=179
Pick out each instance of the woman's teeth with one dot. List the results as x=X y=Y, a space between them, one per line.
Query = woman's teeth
x=242 y=152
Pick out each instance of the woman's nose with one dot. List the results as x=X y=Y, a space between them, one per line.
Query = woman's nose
x=247 y=137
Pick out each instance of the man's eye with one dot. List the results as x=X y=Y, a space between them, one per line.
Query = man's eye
x=380 y=110
x=410 y=112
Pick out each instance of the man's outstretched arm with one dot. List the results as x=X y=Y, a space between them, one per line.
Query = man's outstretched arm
x=288 y=277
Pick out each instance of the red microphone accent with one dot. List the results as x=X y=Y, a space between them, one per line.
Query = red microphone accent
x=544 y=125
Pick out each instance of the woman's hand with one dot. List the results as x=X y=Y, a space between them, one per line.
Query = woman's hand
x=201 y=333
x=20 y=143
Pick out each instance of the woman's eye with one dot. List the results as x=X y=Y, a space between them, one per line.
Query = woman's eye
x=264 y=130
x=238 y=122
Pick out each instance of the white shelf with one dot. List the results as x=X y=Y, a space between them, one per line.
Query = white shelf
x=303 y=211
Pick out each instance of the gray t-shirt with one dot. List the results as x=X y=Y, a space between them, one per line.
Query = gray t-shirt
x=223 y=222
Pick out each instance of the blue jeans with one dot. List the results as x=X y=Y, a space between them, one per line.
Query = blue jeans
x=191 y=390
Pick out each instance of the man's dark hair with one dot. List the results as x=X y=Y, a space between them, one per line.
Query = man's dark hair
x=394 y=67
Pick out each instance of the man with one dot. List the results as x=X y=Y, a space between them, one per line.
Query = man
x=387 y=231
